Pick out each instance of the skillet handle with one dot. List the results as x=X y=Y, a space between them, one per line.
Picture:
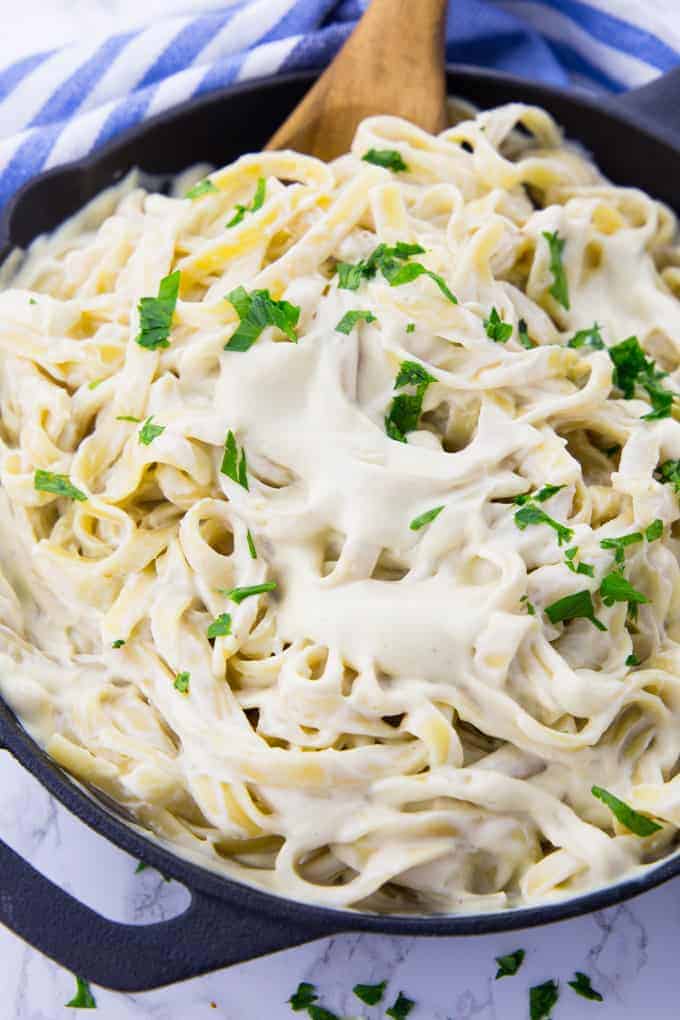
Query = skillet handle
x=210 y=934
x=658 y=102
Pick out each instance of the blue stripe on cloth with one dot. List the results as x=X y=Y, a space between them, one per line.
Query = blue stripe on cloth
x=576 y=62
x=479 y=33
x=181 y=51
x=126 y=113
x=28 y=160
x=303 y=16
x=348 y=10
x=615 y=32
x=71 y=93
x=16 y=72
x=224 y=72
x=315 y=50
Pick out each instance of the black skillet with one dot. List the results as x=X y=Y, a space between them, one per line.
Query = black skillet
x=635 y=139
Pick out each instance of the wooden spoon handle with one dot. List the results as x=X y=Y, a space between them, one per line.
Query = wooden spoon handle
x=392 y=63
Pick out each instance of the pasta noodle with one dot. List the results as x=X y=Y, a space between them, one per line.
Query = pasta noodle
x=426 y=437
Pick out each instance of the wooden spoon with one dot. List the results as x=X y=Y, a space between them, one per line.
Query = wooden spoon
x=392 y=63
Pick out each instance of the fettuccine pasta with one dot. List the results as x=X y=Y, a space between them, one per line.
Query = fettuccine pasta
x=339 y=515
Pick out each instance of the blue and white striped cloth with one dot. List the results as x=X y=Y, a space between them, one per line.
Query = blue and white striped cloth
x=60 y=104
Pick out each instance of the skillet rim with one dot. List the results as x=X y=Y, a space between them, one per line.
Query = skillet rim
x=90 y=807
x=613 y=107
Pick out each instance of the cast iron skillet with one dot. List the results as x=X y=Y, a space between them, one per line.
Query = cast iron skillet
x=635 y=140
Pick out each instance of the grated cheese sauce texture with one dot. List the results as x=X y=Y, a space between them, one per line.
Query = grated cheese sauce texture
x=398 y=724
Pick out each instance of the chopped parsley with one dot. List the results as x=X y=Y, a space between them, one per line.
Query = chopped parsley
x=257 y=310
x=257 y=203
x=181 y=683
x=578 y=568
x=639 y=824
x=544 y=494
x=560 y=287
x=660 y=398
x=392 y=262
x=532 y=514
x=400 y=250
x=629 y=363
x=400 y=1008
x=497 y=330
x=384 y=257
x=350 y=319
x=619 y=545
x=615 y=588
x=654 y=530
x=239 y=594
x=118 y=643
x=234 y=466
x=632 y=660
x=411 y=271
x=319 y=1013
x=542 y=998
x=410 y=327
x=220 y=627
x=582 y=986
x=59 y=485
x=579 y=605
x=350 y=275
x=128 y=417
x=155 y=314
x=96 y=382
x=370 y=994
x=631 y=369
x=419 y=522
x=523 y=335
x=547 y=492
x=251 y=545
x=509 y=964
x=238 y=217
x=201 y=188
x=149 y=432
x=303 y=997
x=260 y=195
x=404 y=413
x=83 y=999
x=390 y=159
x=590 y=337
x=32 y=301
x=669 y=473
x=412 y=373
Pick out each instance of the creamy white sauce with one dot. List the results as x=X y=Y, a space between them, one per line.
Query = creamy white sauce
x=390 y=728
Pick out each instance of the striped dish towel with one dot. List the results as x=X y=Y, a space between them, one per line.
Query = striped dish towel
x=57 y=105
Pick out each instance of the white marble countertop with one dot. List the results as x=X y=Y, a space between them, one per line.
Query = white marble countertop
x=630 y=951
